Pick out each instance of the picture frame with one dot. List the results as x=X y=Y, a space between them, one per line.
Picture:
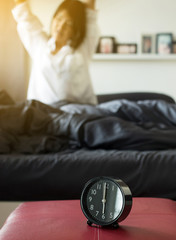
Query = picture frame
x=147 y=43
x=164 y=43
x=174 y=47
x=106 y=45
x=126 y=48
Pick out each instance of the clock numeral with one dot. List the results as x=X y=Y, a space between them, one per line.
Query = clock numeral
x=111 y=215
x=90 y=199
x=107 y=186
x=103 y=216
x=97 y=212
x=113 y=188
x=93 y=192
x=98 y=186
x=91 y=207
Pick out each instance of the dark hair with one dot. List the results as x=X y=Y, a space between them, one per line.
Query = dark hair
x=77 y=12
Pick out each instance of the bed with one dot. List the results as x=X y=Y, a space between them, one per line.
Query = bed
x=50 y=152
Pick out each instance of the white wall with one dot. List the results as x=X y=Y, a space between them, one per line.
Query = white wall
x=13 y=77
x=127 y=20
x=135 y=75
x=6 y=208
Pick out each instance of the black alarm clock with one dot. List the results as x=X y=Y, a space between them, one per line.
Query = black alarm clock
x=106 y=201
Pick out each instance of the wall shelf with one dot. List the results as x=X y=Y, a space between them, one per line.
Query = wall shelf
x=134 y=57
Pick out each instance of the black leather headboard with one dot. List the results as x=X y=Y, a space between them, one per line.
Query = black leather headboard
x=135 y=96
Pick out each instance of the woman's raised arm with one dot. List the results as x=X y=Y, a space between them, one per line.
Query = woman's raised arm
x=17 y=2
x=90 y=3
x=30 y=29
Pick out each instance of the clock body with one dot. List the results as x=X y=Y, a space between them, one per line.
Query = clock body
x=106 y=201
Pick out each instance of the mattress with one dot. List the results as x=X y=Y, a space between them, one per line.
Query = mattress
x=63 y=175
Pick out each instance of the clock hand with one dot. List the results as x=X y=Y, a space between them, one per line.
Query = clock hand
x=104 y=198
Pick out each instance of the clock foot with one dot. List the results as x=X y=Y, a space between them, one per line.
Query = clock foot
x=89 y=223
x=115 y=225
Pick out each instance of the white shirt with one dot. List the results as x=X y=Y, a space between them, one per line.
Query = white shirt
x=65 y=75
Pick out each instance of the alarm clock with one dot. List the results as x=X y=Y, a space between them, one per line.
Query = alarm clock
x=106 y=201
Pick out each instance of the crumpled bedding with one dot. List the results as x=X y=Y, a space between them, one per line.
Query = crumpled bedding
x=34 y=127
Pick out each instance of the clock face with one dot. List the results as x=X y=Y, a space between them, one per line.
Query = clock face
x=104 y=201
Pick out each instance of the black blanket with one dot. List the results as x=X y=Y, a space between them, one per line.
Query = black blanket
x=33 y=127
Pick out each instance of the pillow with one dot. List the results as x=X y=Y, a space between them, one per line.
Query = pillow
x=5 y=99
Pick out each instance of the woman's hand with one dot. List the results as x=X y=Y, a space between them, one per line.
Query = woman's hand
x=17 y=2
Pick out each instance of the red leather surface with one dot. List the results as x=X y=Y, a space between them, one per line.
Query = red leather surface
x=150 y=219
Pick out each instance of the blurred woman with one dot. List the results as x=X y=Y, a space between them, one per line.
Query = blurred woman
x=60 y=68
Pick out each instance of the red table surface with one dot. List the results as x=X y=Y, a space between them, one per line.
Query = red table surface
x=150 y=218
